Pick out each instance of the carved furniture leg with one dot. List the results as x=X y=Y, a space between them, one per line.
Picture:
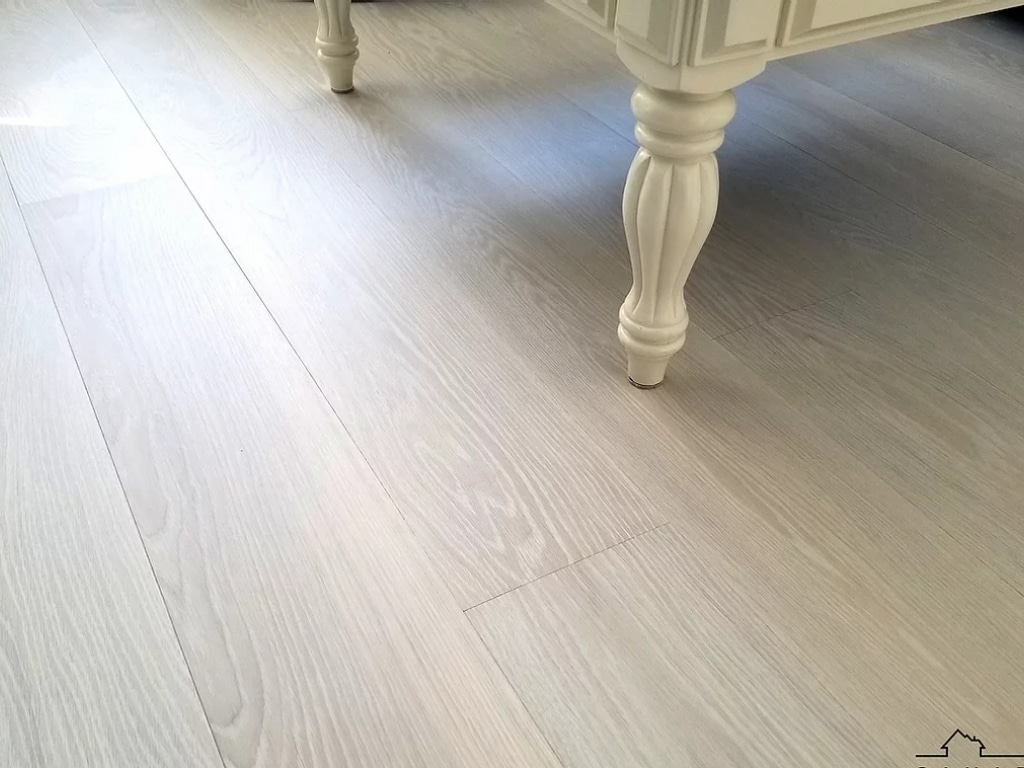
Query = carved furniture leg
x=337 y=46
x=669 y=205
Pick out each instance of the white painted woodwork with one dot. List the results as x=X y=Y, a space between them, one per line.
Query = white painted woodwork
x=734 y=29
x=337 y=46
x=668 y=208
x=829 y=13
x=831 y=22
x=704 y=47
x=653 y=26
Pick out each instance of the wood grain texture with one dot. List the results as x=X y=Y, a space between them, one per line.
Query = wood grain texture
x=838 y=580
x=316 y=631
x=750 y=270
x=941 y=81
x=822 y=230
x=479 y=84
x=456 y=71
x=399 y=317
x=65 y=124
x=930 y=397
x=903 y=165
x=90 y=670
x=675 y=670
x=694 y=647
x=835 y=509
x=717 y=415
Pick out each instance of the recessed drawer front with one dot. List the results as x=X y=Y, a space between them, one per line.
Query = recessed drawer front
x=653 y=26
x=731 y=29
x=810 y=19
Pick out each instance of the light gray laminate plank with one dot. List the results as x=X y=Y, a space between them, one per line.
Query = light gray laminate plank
x=469 y=84
x=440 y=70
x=1000 y=29
x=951 y=86
x=724 y=419
x=747 y=272
x=790 y=211
x=451 y=70
x=90 y=670
x=503 y=92
x=902 y=376
x=669 y=670
x=954 y=318
x=696 y=422
x=423 y=177
x=792 y=231
x=782 y=239
x=690 y=646
x=65 y=124
x=397 y=324
x=794 y=479
x=576 y=358
x=953 y=191
x=317 y=633
x=728 y=420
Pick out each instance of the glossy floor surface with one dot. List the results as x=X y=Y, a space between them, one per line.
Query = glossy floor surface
x=316 y=448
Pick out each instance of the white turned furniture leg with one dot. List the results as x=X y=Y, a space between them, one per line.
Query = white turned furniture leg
x=337 y=46
x=668 y=207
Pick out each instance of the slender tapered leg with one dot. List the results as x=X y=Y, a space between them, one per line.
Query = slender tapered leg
x=668 y=207
x=337 y=46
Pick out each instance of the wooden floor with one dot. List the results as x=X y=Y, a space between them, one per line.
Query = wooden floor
x=316 y=448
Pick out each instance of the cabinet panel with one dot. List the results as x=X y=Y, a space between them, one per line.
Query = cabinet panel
x=828 y=13
x=728 y=29
x=653 y=26
x=809 y=19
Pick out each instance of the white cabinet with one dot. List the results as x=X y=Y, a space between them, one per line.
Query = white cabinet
x=819 y=14
x=689 y=55
x=654 y=26
x=597 y=13
x=728 y=30
x=709 y=33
